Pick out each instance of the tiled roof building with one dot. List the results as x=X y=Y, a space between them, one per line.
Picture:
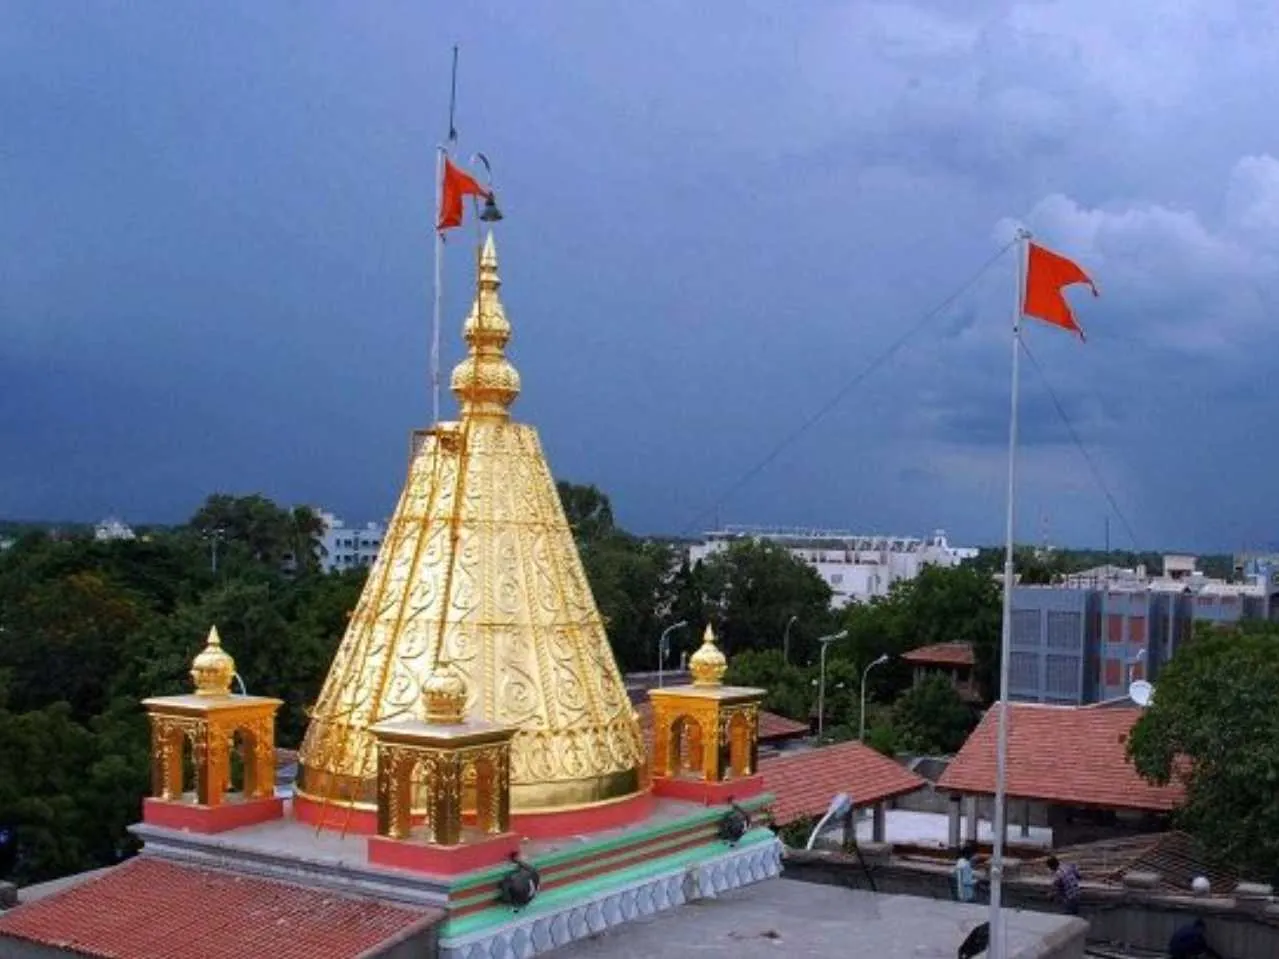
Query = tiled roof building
x=151 y=909
x=1060 y=754
x=804 y=782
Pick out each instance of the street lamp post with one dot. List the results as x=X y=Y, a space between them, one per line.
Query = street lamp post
x=861 y=730
x=663 y=647
x=825 y=642
x=214 y=536
x=1141 y=654
x=786 y=640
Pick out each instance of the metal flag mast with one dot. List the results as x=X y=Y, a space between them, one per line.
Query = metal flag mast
x=998 y=939
x=441 y=156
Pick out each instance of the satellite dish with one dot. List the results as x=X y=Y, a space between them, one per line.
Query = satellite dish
x=1141 y=692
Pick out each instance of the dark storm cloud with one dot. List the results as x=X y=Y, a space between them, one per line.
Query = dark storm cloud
x=215 y=253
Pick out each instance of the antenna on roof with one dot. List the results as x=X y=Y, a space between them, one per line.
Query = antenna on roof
x=1141 y=692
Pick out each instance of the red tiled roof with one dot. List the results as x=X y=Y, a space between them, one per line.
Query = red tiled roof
x=942 y=654
x=1060 y=754
x=805 y=782
x=771 y=725
x=151 y=909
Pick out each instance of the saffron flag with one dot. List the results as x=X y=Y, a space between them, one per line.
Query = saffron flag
x=456 y=185
x=1047 y=274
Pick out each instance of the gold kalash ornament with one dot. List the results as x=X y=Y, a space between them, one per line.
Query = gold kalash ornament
x=479 y=569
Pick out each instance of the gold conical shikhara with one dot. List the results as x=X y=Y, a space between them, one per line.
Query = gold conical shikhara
x=479 y=570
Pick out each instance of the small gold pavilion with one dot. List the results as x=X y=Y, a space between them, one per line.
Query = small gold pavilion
x=706 y=735
x=205 y=726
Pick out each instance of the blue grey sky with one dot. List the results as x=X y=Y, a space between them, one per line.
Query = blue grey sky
x=215 y=254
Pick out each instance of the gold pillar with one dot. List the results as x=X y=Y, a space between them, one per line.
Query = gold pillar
x=208 y=721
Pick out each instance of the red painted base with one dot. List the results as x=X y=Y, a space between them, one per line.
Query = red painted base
x=210 y=819
x=442 y=860
x=539 y=825
x=588 y=819
x=706 y=793
x=359 y=822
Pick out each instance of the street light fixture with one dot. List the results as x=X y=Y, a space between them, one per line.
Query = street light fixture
x=1141 y=654
x=786 y=640
x=663 y=647
x=825 y=641
x=861 y=731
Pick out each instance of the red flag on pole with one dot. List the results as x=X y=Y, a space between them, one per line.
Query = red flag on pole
x=456 y=185
x=1047 y=274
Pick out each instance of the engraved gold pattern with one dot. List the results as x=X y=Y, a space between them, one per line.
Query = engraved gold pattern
x=479 y=569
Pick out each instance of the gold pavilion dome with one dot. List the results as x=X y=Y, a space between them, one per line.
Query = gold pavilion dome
x=213 y=669
x=444 y=696
x=708 y=664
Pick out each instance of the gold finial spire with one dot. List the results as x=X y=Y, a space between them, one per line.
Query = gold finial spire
x=444 y=696
x=708 y=664
x=213 y=669
x=485 y=383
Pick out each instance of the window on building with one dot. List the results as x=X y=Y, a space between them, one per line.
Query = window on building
x=1061 y=676
x=1064 y=630
x=1025 y=627
x=1137 y=630
x=1023 y=671
x=1115 y=628
x=1114 y=672
x=836 y=578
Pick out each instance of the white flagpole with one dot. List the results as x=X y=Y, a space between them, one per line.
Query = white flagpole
x=439 y=288
x=998 y=940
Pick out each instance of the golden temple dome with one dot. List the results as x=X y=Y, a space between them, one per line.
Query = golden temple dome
x=213 y=669
x=708 y=664
x=444 y=696
x=479 y=569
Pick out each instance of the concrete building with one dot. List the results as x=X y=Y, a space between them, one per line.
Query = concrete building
x=345 y=547
x=1084 y=640
x=857 y=568
x=113 y=528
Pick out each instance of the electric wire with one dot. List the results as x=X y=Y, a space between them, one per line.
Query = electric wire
x=1083 y=450
x=845 y=389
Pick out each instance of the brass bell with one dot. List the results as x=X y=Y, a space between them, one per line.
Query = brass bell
x=490 y=213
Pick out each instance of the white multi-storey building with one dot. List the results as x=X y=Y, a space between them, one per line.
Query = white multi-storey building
x=857 y=568
x=345 y=547
x=112 y=528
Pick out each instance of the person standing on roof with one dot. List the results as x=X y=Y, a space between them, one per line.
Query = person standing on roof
x=1190 y=942
x=1065 y=884
x=965 y=875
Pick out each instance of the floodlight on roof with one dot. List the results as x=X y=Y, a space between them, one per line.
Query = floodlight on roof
x=839 y=806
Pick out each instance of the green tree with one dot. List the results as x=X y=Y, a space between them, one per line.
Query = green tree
x=753 y=587
x=1215 y=721
x=932 y=718
x=940 y=605
x=267 y=532
x=789 y=687
x=630 y=580
x=588 y=510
